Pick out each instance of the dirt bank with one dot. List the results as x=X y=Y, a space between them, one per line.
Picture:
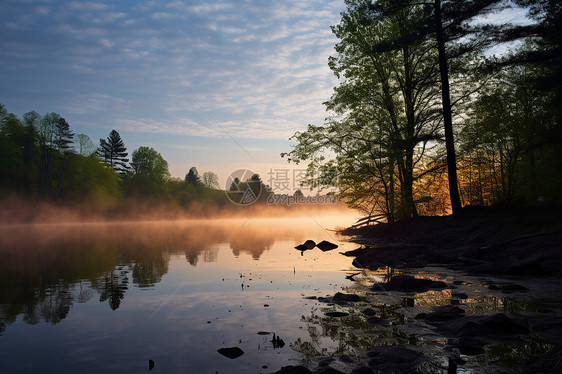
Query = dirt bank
x=480 y=240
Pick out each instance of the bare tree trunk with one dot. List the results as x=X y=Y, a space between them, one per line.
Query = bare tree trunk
x=447 y=115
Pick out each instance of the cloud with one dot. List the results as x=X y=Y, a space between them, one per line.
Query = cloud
x=257 y=68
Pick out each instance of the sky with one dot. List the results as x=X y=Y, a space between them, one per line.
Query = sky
x=219 y=85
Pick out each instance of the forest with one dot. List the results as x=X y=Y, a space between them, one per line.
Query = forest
x=43 y=163
x=427 y=118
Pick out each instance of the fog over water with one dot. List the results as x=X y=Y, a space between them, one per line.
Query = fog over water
x=107 y=297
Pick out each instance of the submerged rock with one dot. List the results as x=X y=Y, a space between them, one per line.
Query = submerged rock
x=444 y=313
x=326 y=246
x=337 y=314
x=345 y=297
x=406 y=283
x=299 y=369
x=309 y=244
x=232 y=352
x=394 y=359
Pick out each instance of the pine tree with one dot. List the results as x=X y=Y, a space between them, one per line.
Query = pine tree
x=113 y=152
x=62 y=140
x=192 y=177
x=63 y=136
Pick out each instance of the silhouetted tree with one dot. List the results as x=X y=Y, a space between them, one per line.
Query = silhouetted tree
x=450 y=24
x=192 y=177
x=113 y=152
x=62 y=140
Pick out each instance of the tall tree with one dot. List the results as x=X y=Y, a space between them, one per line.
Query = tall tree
x=450 y=23
x=192 y=177
x=62 y=141
x=46 y=136
x=114 y=153
x=386 y=108
x=210 y=180
x=85 y=145
x=150 y=174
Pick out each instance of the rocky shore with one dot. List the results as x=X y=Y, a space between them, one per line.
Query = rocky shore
x=496 y=276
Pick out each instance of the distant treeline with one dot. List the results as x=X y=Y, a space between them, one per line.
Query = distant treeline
x=424 y=121
x=42 y=162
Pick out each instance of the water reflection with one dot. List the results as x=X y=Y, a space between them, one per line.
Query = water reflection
x=78 y=273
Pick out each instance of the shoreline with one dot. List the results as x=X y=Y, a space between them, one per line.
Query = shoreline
x=511 y=259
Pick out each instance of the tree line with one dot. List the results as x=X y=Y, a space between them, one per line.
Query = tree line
x=44 y=161
x=425 y=120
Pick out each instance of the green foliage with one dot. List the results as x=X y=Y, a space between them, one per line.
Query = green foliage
x=36 y=156
x=150 y=174
x=386 y=121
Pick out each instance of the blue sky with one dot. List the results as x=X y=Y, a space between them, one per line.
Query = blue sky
x=219 y=85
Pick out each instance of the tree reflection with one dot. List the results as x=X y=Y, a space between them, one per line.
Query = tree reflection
x=347 y=335
x=113 y=287
x=252 y=241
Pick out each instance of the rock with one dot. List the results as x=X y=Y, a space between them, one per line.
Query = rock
x=369 y=312
x=459 y=295
x=263 y=333
x=378 y=321
x=444 y=313
x=150 y=365
x=337 y=314
x=299 y=369
x=326 y=246
x=346 y=359
x=494 y=327
x=470 y=346
x=302 y=247
x=325 y=361
x=232 y=352
x=309 y=244
x=508 y=288
x=339 y=297
x=327 y=370
x=394 y=359
x=362 y=370
x=406 y=283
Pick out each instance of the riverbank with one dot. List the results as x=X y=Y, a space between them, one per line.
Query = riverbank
x=480 y=240
x=479 y=292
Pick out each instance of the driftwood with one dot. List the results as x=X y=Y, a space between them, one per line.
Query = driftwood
x=364 y=221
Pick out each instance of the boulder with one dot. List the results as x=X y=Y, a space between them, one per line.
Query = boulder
x=232 y=352
x=343 y=297
x=326 y=246
x=298 y=369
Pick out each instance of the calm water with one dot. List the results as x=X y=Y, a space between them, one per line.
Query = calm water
x=104 y=298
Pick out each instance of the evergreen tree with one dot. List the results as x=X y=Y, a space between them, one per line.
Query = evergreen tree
x=63 y=136
x=62 y=140
x=113 y=152
x=192 y=177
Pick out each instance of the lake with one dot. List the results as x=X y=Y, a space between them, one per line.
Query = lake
x=109 y=297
